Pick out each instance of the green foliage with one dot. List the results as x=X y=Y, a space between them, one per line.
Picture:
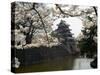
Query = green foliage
x=87 y=44
x=89 y=18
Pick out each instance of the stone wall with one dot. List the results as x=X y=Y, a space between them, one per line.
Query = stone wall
x=37 y=55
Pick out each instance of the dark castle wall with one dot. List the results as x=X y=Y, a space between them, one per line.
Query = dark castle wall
x=36 y=55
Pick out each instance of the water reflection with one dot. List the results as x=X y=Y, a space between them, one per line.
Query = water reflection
x=65 y=63
x=82 y=63
x=54 y=64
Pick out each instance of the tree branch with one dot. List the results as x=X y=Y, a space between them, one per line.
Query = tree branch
x=64 y=12
x=95 y=9
x=73 y=15
x=42 y=23
x=33 y=8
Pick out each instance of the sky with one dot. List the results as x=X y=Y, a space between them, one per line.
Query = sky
x=74 y=22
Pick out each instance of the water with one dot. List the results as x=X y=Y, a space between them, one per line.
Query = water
x=65 y=63
x=82 y=63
